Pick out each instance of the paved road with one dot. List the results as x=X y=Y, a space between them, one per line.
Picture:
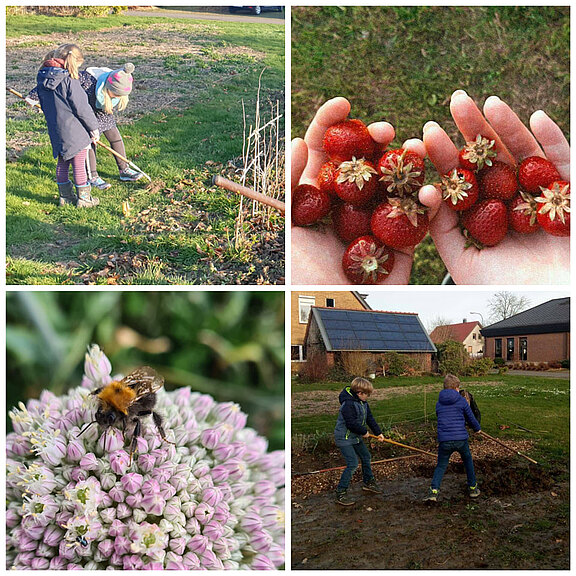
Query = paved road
x=264 y=18
x=564 y=374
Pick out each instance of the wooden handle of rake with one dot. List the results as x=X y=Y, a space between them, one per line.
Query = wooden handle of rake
x=249 y=193
x=403 y=445
x=482 y=433
x=16 y=93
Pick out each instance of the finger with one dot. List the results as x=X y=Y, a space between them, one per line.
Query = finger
x=555 y=145
x=471 y=122
x=514 y=135
x=430 y=197
x=447 y=236
x=440 y=149
x=331 y=112
x=382 y=133
x=299 y=157
x=415 y=145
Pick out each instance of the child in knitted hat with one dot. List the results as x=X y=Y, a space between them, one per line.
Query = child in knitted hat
x=107 y=90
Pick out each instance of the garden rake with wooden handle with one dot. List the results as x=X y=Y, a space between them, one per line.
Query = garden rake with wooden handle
x=482 y=433
x=101 y=144
x=403 y=445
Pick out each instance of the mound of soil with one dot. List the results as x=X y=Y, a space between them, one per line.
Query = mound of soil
x=520 y=520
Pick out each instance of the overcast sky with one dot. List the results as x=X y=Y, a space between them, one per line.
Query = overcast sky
x=451 y=303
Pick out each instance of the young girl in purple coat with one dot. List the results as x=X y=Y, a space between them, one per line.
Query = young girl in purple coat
x=72 y=125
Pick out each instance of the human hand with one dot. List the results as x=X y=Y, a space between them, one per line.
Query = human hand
x=32 y=103
x=380 y=438
x=95 y=136
x=537 y=258
x=317 y=253
x=367 y=435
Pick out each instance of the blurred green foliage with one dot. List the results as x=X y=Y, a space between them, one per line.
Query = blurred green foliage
x=226 y=344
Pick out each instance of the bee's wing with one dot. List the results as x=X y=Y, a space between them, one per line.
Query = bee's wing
x=143 y=381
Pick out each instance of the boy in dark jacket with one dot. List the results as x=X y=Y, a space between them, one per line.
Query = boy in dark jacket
x=351 y=427
x=453 y=412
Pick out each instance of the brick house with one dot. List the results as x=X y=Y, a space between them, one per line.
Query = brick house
x=468 y=333
x=540 y=334
x=368 y=335
x=302 y=303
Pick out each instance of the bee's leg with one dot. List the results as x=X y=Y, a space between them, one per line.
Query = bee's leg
x=135 y=435
x=158 y=421
x=97 y=391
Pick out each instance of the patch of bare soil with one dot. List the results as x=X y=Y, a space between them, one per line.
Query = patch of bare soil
x=520 y=520
x=320 y=401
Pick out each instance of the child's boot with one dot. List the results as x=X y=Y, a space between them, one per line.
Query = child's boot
x=85 y=199
x=66 y=192
x=342 y=498
x=474 y=491
x=129 y=175
x=432 y=495
x=372 y=486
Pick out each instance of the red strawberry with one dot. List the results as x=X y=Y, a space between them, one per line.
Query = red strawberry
x=309 y=204
x=486 y=223
x=460 y=189
x=399 y=223
x=522 y=213
x=535 y=172
x=477 y=154
x=367 y=261
x=498 y=181
x=347 y=139
x=402 y=172
x=356 y=181
x=554 y=211
x=326 y=177
x=351 y=221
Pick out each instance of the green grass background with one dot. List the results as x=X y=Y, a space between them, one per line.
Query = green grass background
x=170 y=146
x=402 y=63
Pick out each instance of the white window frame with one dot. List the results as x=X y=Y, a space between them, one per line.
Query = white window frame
x=300 y=352
x=305 y=303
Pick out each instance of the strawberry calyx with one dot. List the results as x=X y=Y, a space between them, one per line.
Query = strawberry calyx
x=400 y=177
x=555 y=201
x=357 y=171
x=479 y=152
x=370 y=264
x=454 y=187
x=405 y=206
x=529 y=207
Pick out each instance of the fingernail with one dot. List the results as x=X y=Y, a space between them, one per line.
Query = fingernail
x=458 y=93
x=430 y=124
x=493 y=100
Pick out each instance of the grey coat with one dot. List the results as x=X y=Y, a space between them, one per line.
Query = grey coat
x=68 y=114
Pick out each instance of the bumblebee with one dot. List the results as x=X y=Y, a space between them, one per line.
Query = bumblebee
x=124 y=402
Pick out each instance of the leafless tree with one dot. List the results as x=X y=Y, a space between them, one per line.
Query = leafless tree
x=444 y=332
x=502 y=305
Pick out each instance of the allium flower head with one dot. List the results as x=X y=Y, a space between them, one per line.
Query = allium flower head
x=212 y=500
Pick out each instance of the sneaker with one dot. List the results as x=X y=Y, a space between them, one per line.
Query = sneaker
x=474 y=491
x=129 y=175
x=432 y=495
x=100 y=184
x=342 y=499
x=372 y=486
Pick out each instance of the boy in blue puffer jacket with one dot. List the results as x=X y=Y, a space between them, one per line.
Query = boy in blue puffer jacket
x=351 y=427
x=453 y=412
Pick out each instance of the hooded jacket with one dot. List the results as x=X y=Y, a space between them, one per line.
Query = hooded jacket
x=69 y=117
x=354 y=419
x=453 y=412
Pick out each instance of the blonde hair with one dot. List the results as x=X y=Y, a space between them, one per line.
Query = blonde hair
x=451 y=381
x=108 y=108
x=361 y=385
x=72 y=56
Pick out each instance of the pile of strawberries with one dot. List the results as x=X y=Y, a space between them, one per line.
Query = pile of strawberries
x=493 y=197
x=372 y=198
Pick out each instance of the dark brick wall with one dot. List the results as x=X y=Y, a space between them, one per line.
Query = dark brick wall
x=541 y=347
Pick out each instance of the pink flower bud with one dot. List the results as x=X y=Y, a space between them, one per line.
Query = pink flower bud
x=40 y=564
x=133 y=500
x=204 y=513
x=153 y=504
x=117 y=494
x=191 y=561
x=151 y=486
x=117 y=528
x=210 y=438
x=111 y=440
x=220 y=474
x=146 y=462
x=201 y=469
x=212 y=530
x=52 y=535
x=106 y=547
x=119 y=462
x=122 y=545
x=75 y=450
x=123 y=511
x=132 y=482
x=132 y=562
x=178 y=545
x=221 y=513
x=251 y=522
x=198 y=544
x=57 y=563
x=261 y=562
x=108 y=515
x=210 y=561
x=89 y=461
x=261 y=540
x=212 y=496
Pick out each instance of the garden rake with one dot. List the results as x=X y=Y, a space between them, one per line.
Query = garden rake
x=403 y=445
x=482 y=433
x=101 y=144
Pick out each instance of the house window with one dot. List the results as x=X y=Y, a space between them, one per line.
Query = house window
x=498 y=348
x=509 y=349
x=330 y=303
x=298 y=353
x=474 y=336
x=469 y=349
x=524 y=349
x=304 y=305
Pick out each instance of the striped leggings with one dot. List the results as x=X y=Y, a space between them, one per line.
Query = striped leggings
x=78 y=169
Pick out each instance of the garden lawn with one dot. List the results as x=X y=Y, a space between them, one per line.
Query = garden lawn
x=194 y=82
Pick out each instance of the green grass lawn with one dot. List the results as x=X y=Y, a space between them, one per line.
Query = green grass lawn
x=402 y=63
x=181 y=229
x=539 y=404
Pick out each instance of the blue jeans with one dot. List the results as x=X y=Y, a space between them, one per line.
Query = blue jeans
x=445 y=449
x=352 y=453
